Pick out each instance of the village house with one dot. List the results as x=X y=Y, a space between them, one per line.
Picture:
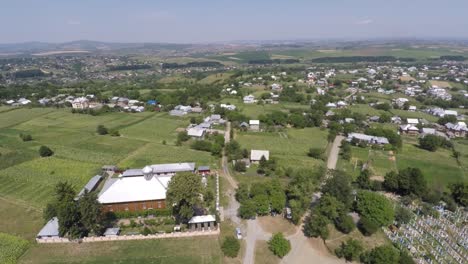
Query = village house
x=196 y=132
x=180 y=110
x=256 y=155
x=249 y=99
x=412 y=121
x=276 y=87
x=409 y=129
x=229 y=107
x=254 y=125
x=80 y=103
x=456 y=130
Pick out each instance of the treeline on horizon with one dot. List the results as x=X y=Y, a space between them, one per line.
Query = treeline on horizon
x=351 y=59
x=273 y=61
x=129 y=67
x=192 y=65
x=355 y=59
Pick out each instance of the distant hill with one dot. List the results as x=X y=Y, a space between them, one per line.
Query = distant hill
x=29 y=48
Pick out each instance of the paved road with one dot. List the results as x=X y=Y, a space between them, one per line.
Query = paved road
x=335 y=150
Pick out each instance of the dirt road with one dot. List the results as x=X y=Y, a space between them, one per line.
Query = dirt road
x=335 y=150
x=303 y=250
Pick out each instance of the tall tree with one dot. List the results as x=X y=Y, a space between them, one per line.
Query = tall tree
x=183 y=194
x=91 y=213
x=339 y=186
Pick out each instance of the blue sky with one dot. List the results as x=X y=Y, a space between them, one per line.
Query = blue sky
x=228 y=20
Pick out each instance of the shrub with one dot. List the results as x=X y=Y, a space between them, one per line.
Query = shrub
x=230 y=247
x=102 y=130
x=240 y=166
x=344 y=223
x=114 y=133
x=279 y=245
x=146 y=231
x=351 y=250
x=367 y=226
x=45 y=151
x=25 y=137
x=316 y=153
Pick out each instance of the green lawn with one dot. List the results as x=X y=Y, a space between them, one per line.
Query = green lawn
x=20 y=219
x=290 y=147
x=379 y=161
x=439 y=167
x=203 y=250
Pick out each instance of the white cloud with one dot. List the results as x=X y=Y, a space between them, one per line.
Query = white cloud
x=364 y=22
x=73 y=22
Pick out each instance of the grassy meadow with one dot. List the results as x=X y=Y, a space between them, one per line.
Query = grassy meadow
x=202 y=250
x=288 y=147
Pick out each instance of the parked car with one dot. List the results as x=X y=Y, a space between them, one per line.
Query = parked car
x=238 y=233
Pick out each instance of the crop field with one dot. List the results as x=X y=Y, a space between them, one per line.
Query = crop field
x=21 y=115
x=33 y=181
x=152 y=152
x=79 y=152
x=156 y=129
x=288 y=147
x=203 y=250
x=11 y=248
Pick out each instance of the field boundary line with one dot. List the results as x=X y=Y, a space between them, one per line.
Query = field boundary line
x=135 y=122
x=17 y=202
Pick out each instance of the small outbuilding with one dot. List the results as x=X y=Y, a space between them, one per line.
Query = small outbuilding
x=50 y=230
x=202 y=222
x=112 y=232
x=204 y=170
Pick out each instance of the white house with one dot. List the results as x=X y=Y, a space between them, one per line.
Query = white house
x=256 y=155
x=249 y=99
x=254 y=125
x=412 y=121
x=80 y=103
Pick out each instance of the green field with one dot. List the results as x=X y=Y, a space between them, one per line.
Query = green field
x=203 y=250
x=378 y=162
x=289 y=147
x=79 y=151
x=11 y=248
x=439 y=167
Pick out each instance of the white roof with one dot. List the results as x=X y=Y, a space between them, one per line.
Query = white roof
x=254 y=122
x=51 y=229
x=202 y=219
x=257 y=154
x=412 y=121
x=451 y=112
x=195 y=132
x=132 y=189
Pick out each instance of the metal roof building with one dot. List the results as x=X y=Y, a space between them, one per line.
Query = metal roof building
x=51 y=229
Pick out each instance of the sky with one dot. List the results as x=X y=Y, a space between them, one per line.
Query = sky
x=202 y=21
